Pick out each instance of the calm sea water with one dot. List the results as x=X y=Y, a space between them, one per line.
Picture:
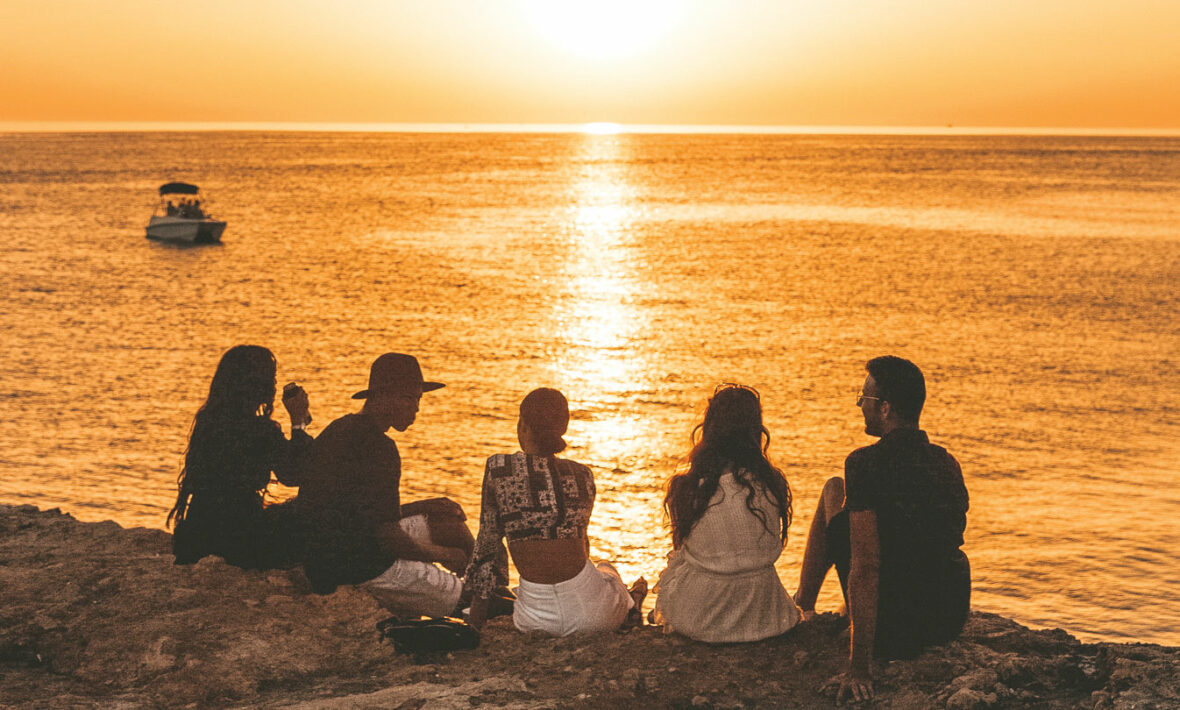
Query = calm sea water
x=1034 y=279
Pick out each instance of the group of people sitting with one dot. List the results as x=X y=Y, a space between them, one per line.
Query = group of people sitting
x=892 y=526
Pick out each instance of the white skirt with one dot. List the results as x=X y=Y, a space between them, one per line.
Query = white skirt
x=595 y=600
x=722 y=607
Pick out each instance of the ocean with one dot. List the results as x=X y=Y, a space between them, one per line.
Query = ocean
x=1033 y=278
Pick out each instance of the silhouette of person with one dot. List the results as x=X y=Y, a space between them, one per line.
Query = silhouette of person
x=892 y=527
x=357 y=530
x=233 y=448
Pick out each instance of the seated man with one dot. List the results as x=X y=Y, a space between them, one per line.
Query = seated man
x=892 y=527
x=351 y=505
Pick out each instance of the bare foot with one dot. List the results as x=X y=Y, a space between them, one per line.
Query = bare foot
x=807 y=614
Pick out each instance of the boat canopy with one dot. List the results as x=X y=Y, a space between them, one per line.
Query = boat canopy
x=179 y=188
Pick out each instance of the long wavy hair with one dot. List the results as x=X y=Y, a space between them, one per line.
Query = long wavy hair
x=243 y=388
x=730 y=438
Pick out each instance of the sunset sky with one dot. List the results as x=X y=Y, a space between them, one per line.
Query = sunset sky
x=1037 y=63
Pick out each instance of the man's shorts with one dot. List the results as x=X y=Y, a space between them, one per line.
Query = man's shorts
x=416 y=588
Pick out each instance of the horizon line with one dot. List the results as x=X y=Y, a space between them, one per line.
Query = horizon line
x=601 y=128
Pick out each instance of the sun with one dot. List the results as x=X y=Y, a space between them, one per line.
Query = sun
x=602 y=29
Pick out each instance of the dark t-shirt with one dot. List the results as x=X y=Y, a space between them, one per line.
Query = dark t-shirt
x=917 y=492
x=350 y=491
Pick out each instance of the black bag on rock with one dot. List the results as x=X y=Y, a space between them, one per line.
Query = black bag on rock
x=426 y=636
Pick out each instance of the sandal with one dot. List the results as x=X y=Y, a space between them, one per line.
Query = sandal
x=638 y=592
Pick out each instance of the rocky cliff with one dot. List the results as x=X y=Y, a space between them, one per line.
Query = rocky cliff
x=94 y=615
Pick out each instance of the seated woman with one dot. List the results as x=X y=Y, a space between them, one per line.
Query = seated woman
x=542 y=505
x=729 y=514
x=233 y=448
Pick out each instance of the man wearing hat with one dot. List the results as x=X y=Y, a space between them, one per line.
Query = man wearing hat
x=356 y=532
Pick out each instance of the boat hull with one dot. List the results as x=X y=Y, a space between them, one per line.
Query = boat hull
x=185 y=231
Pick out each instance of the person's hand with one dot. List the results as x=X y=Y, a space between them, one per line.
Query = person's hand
x=297 y=406
x=804 y=614
x=854 y=686
x=441 y=507
x=453 y=559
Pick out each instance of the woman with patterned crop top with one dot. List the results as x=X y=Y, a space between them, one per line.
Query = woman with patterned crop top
x=541 y=506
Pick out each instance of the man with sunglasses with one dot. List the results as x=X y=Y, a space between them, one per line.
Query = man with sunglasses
x=358 y=532
x=892 y=528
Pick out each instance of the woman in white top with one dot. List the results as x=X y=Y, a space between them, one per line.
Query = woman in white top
x=729 y=514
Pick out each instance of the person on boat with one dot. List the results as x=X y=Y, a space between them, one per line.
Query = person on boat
x=541 y=505
x=358 y=532
x=892 y=527
x=171 y=210
x=233 y=448
x=729 y=514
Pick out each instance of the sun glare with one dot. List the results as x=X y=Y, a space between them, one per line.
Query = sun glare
x=607 y=29
x=602 y=128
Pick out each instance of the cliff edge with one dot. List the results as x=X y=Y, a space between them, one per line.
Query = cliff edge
x=95 y=615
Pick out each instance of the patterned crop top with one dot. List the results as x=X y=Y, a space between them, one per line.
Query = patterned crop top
x=526 y=497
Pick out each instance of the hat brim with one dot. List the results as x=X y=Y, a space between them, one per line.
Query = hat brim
x=426 y=387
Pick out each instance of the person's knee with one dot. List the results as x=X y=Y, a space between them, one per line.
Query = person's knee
x=833 y=497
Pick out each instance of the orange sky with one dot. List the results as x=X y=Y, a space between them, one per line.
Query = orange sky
x=1067 y=63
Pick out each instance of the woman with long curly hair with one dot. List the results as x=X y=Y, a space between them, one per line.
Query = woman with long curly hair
x=233 y=448
x=729 y=514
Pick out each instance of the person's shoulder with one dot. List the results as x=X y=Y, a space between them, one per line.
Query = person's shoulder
x=863 y=456
x=354 y=428
x=947 y=458
x=335 y=428
x=940 y=450
x=578 y=466
x=352 y=423
x=499 y=460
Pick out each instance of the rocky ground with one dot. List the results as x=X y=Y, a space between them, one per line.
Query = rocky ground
x=94 y=615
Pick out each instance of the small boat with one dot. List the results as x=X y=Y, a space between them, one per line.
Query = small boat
x=180 y=218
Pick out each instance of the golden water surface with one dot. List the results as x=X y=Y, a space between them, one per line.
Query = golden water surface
x=1032 y=278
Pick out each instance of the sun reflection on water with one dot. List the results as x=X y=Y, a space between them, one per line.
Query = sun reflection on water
x=600 y=365
x=596 y=317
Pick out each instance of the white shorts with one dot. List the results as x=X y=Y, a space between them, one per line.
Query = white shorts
x=414 y=588
x=595 y=600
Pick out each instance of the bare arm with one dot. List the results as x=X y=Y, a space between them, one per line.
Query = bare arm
x=395 y=540
x=489 y=556
x=863 y=578
x=443 y=507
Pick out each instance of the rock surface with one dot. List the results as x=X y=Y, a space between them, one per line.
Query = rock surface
x=93 y=615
